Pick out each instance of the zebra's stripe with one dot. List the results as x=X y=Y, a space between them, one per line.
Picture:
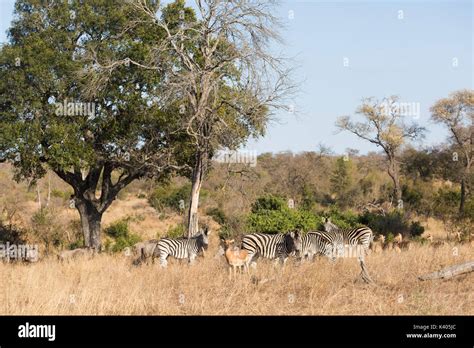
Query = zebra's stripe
x=270 y=246
x=181 y=248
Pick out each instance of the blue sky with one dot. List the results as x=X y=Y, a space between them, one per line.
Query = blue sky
x=404 y=48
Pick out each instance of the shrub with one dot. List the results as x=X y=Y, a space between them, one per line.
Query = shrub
x=123 y=242
x=341 y=219
x=176 y=231
x=270 y=214
x=46 y=229
x=169 y=196
x=217 y=214
x=446 y=202
x=61 y=194
x=11 y=234
x=392 y=223
x=269 y=202
x=118 y=229
x=416 y=229
x=120 y=236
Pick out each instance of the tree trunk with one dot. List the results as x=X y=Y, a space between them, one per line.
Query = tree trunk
x=90 y=220
x=450 y=272
x=463 y=196
x=197 y=177
x=393 y=172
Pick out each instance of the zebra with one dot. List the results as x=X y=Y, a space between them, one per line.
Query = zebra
x=272 y=246
x=182 y=248
x=339 y=238
x=315 y=243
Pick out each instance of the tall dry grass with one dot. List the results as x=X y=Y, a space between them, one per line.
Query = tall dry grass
x=111 y=285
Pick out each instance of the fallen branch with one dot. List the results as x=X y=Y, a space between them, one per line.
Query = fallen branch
x=450 y=272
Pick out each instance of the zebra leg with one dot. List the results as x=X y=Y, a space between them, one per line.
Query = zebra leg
x=192 y=259
x=252 y=261
x=163 y=261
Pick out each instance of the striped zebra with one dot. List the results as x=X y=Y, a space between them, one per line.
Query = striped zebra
x=181 y=248
x=340 y=238
x=314 y=243
x=271 y=246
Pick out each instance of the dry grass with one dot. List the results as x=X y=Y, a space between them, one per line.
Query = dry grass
x=111 y=285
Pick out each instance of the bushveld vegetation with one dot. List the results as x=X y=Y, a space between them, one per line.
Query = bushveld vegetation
x=135 y=166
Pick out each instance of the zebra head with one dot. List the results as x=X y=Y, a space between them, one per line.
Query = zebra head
x=328 y=225
x=203 y=237
x=293 y=241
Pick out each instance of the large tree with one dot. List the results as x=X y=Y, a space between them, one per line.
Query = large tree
x=456 y=113
x=384 y=126
x=220 y=73
x=97 y=140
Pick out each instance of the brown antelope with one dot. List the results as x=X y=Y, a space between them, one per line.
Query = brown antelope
x=67 y=255
x=433 y=243
x=377 y=245
x=236 y=257
x=398 y=238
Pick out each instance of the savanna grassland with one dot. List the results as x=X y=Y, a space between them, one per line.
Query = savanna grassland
x=111 y=285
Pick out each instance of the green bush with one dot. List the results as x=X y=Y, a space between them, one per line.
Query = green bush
x=341 y=219
x=61 y=194
x=217 y=214
x=169 y=196
x=391 y=224
x=118 y=229
x=11 y=234
x=46 y=229
x=416 y=229
x=269 y=202
x=176 y=231
x=123 y=242
x=270 y=214
x=446 y=202
x=120 y=236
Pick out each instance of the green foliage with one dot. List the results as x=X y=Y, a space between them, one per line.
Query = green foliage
x=269 y=202
x=118 y=229
x=270 y=214
x=123 y=242
x=177 y=231
x=45 y=228
x=61 y=194
x=217 y=214
x=446 y=202
x=342 y=219
x=11 y=234
x=120 y=236
x=416 y=229
x=341 y=180
x=79 y=243
x=391 y=223
x=169 y=196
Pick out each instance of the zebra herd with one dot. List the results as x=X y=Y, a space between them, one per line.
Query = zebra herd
x=332 y=242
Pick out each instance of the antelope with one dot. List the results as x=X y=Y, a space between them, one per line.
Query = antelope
x=377 y=245
x=76 y=253
x=400 y=244
x=433 y=243
x=398 y=238
x=236 y=257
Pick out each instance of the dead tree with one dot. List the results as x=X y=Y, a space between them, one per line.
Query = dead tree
x=449 y=272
